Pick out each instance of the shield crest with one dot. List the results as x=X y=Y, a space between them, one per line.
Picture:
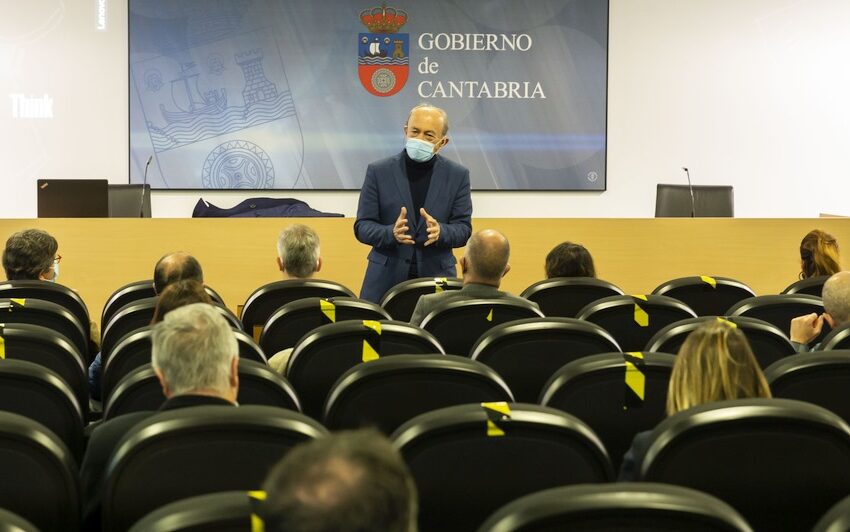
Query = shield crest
x=383 y=62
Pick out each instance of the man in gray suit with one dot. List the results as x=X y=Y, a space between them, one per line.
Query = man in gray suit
x=483 y=265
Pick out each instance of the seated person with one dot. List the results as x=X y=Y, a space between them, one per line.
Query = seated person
x=483 y=265
x=818 y=255
x=178 y=295
x=836 y=313
x=715 y=363
x=354 y=481
x=569 y=260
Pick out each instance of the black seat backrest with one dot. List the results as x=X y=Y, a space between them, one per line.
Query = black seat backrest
x=779 y=310
x=838 y=338
x=47 y=314
x=812 y=286
x=632 y=320
x=616 y=394
x=837 y=518
x=526 y=353
x=41 y=395
x=295 y=319
x=51 y=350
x=140 y=390
x=781 y=463
x=129 y=318
x=458 y=324
x=266 y=299
x=12 y=522
x=324 y=354
x=389 y=391
x=135 y=291
x=40 y=475
x=565 y=296
x=469 y=460
x=768 y=343
x=134 y=350
x=706 y=295
x=168 y=456
x=821 y=378
x=49 y=291
x=401 y=299
x=625 y=507
x=228 y=511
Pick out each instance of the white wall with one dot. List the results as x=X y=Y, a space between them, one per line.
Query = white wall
x=752 y=93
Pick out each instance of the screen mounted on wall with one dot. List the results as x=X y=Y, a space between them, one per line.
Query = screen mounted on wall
x=300 y=94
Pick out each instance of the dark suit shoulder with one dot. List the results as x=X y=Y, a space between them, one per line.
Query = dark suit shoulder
x=392 y=161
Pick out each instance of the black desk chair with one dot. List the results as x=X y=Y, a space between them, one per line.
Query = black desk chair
x=48 y=291
x=769 y=344
x=229 y=511
x=821 y=378
x=401 y=299
x=779 y=310
x=812 y=286
x=706 y=296
x=838 y=338
x=780 y=463
x=565 y=296
x=526 y=353
x=625 y=507
x=11 y=522
x=168 y=456
x=469 y=460
x=46 y=314
x=135 y=291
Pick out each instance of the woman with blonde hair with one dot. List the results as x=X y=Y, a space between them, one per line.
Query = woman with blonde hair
x=818 y=255
x=715 y=363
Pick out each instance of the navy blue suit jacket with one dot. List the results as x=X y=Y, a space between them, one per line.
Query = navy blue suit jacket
x=385 y=190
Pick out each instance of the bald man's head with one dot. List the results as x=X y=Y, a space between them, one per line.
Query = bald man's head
x=836 y=298
x=486 y=258
x=175 y=267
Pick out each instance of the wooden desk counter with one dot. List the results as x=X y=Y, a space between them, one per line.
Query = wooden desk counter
x=238 y=255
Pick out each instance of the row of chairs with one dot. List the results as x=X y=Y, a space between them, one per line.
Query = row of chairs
x=780 y=463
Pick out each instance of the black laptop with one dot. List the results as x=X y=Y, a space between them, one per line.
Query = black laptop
x=73 y=198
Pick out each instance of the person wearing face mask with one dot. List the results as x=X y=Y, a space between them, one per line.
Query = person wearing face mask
x=31 y=255
x=414 y=207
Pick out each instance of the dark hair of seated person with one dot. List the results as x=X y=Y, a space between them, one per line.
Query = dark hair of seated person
x=819 y=255
x=568 y=259
x=179 y=294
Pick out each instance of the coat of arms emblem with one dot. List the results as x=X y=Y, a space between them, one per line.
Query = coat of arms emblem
x=383 y=61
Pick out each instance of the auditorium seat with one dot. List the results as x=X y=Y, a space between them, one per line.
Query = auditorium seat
x=389 y=391
x=458 y=324
x=705 y=295
x=49 y=291
x=140 y=390
x=526 y=353
x=12 y=522
x=40 y=475
x=616 y=394
x=565 y=296
x=624 y=507
x=135 y=291
x=324 y=354
x=769 y=344
x=41 y=395
x=51 y=350
x=289 y=323
x=633 y=319
x=47 y=314
x=821 y=378
x=401 y=299
x=837 y=519
x=194 y=451
x=266 y=299
x=838 y=338
x=469 y=460
x=780 y=310
x=228 y=511
x=781 y=463
x=812 y=286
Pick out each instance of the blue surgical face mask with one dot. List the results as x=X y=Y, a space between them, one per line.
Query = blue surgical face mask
x=419 y=150
x=55 y=271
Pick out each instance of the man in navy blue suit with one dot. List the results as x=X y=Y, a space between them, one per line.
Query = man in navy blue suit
x=414 y=208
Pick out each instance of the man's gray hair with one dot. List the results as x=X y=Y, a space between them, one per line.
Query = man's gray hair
x=440 y=110
x=836 y=297
x=298 y=248
x=194 y=348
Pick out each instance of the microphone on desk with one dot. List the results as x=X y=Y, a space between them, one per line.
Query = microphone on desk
x=691 y=189
x=144 y=184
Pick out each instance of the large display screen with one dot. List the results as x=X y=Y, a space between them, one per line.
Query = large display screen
x=302 y=94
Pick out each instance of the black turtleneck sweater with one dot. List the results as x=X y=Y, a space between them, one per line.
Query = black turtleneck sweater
x=419 y=177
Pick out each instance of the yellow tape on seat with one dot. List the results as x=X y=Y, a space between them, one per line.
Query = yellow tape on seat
x=727 y=322
x=490 y=315
x=439 y=283
x=2 y=347
x=709 y=280
x=257 y=332
x=257 y=524
x=328 y=309
x=369 y=352
x=635 y=379
x=19 y=301
x=497 y=411
x=641 y=316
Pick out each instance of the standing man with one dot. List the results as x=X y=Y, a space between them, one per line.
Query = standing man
x=414 y=208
